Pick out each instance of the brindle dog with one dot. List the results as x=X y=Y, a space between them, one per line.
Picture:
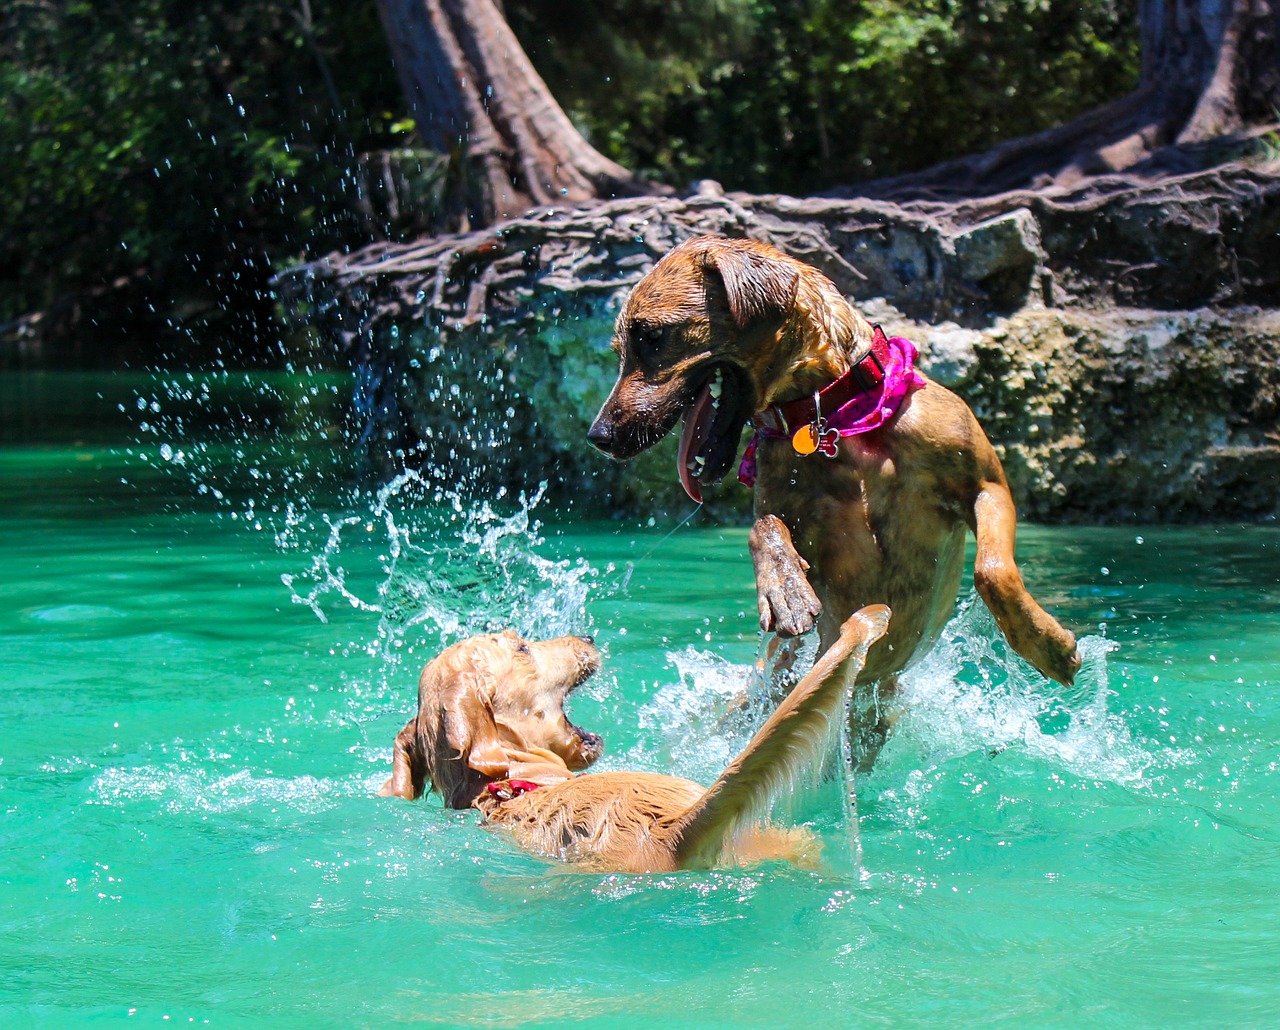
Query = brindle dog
x=722 y=329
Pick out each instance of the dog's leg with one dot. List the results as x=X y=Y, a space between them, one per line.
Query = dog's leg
x=788 y=605
x=794 y=738
x=1030 y=630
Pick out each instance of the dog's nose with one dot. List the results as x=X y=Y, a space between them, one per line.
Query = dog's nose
x=601 y=434
x=588 y=639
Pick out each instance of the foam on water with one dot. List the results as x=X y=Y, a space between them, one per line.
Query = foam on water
x=202 y=790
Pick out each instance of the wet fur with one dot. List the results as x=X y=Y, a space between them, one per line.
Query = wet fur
x=883 y=522
x=464 y=737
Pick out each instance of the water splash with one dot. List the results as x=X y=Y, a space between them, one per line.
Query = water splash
x=434 y=555
x=969 y=695
x=699 y=722
x=445 y=566
x=431 y=557
x=685 y=725
x=972 y=694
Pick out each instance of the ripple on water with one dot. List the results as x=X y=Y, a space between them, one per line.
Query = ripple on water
x=74 y=613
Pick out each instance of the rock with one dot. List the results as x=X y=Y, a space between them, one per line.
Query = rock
x=706 y=188
x=1182 y=430
x=949 y=355
x=1002 y=257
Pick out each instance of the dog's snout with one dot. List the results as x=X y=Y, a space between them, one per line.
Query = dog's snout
x=601 y=434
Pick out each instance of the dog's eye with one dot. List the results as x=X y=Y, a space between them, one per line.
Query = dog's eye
x=522 y=647
x=646 y=340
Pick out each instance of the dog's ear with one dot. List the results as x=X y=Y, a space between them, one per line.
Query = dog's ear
x=758 y=287
x=408 y=765
x=470 y=728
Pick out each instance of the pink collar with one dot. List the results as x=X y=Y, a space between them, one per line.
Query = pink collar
x=821 y=423
x=863 y=377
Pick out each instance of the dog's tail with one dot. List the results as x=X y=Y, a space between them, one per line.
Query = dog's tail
x=792 y=740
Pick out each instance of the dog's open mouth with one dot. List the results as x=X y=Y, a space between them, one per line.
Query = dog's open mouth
x=590 y=745
x=713 y=423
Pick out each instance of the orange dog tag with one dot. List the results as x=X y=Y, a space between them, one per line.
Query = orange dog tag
x=805 y=440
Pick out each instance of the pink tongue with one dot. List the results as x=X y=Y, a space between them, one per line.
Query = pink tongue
x=697 y=427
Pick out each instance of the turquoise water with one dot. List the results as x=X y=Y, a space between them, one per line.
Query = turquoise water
x=205 y=667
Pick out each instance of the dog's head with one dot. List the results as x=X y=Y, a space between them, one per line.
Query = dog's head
x=492 y=708
x=699 y=337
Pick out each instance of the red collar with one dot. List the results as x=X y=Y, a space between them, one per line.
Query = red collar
x=505 y=790
x=863 y=376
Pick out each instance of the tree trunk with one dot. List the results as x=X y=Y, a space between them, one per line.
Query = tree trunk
x=1234 y=56
x=476 y=98
x=1210 y=68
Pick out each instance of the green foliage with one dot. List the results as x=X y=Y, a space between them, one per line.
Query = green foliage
x=161 y=159
x=164 y=156
x=801 y=95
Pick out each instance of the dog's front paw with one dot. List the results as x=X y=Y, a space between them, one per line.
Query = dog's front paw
x=1065 y=662
x=1055 y=654
x=788 y=605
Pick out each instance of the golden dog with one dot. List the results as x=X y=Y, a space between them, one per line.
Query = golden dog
x=726 y=331
x=491 y=734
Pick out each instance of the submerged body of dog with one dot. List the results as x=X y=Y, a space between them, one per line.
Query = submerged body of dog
x=722 y=331
x=491 y=734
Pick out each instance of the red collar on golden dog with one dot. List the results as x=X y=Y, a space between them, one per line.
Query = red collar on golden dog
x=505 y=790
